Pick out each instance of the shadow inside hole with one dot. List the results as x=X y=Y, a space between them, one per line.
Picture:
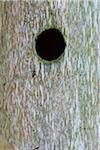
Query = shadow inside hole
x=50 y=44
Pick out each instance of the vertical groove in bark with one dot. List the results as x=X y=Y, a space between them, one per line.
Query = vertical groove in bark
x=58 y=108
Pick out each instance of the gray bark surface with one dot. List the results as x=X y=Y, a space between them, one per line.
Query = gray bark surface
x=59 y=107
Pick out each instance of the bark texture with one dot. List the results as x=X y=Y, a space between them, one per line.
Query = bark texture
x=58 y=107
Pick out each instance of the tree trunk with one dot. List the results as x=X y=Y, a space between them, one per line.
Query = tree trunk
x=57 y=108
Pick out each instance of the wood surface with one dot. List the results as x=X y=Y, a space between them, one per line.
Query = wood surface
x=50 y=106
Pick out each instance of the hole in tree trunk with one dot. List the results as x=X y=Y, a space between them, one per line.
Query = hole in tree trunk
x=50 y=44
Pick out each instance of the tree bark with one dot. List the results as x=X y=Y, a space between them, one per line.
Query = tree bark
x=57 y=108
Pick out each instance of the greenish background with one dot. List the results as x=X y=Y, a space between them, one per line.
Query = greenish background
x=58 y=108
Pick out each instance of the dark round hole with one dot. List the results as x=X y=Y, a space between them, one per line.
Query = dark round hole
x=50 y=44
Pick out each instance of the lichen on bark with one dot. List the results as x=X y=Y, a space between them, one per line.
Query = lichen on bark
x=58 y=107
